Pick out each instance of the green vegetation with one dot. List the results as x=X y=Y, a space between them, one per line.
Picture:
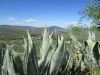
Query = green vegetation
x=53 y=55
x=92 y=11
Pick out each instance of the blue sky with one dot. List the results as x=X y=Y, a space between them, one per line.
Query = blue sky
x=40 y=12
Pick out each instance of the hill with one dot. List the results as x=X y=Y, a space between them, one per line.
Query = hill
x=17 y=32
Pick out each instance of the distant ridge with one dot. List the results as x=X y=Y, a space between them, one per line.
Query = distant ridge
x=51 y=28
x=11 y=31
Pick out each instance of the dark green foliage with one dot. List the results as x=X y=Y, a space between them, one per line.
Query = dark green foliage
x=18 y=65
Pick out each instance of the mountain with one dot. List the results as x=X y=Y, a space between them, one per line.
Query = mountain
x=14 y=32
x=52 y=28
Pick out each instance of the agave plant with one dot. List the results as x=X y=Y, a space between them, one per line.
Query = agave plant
x=88 y=60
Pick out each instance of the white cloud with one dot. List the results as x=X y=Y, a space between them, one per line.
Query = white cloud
x=11 y=19
x=30 y=20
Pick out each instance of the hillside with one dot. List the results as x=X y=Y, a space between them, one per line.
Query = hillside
x=15 y=32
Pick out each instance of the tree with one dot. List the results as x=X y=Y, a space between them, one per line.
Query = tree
x=92 y=11
x=76 y=28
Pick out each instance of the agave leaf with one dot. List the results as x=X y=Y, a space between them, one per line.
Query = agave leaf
x=30 y=60
x=51 y=35
x=93 y=36
x=59 y=40
x=51 y=39
x=45 y=44
x=89 y=33
x=91 y=43
x=99 y=47
x=46 y=47
x=8 y=68
x=25 y=44
x=90 y=47
x=49 y=56
x=64 y=63
x=68 y=59
x=57 y=57
x=29 y=42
